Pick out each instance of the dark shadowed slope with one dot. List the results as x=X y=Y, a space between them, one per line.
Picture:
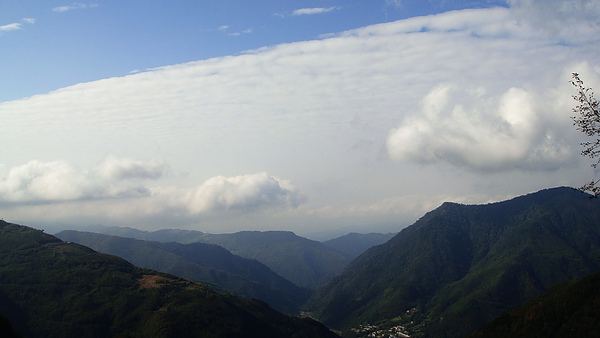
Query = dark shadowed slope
x=49 y=288
x=570 y=309
x=201 y=262
x=460 y=266
x=6 y=329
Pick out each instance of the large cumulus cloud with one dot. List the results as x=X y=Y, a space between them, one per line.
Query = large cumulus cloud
x=464 y=127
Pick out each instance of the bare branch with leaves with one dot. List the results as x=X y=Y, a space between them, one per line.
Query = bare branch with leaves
x=587 y=121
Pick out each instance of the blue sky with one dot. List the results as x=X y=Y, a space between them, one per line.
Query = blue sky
x=310 y=116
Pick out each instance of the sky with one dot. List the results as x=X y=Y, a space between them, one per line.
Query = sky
x=318 y=117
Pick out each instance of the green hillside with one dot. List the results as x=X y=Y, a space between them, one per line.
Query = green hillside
x=460 y=266
x=49 y=288
x=200 y=262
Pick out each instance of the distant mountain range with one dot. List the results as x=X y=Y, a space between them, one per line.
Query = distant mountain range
x=354 y=244
x=460 y=266
x=304 y=262
x=201 y=262
x=49 y=288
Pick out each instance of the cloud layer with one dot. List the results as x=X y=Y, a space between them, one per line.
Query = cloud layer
x=472 y=104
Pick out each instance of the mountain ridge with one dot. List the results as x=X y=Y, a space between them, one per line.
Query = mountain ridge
x=466 y=264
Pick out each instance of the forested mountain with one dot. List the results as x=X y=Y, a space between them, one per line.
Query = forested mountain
x=354 y=244
x=570 y=309
x=304 y=262
x=49 y=288
x=460 y=266
x=200 y=262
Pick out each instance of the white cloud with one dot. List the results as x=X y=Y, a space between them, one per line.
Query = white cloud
x=30 y=21
x=73 y=6
x=312 y=11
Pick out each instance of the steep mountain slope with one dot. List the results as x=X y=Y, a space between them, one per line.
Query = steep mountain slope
x=49 y=288
x=460 y=266
x=200 y=262
x=354 y=244
x=570 y=309
x=304 y=262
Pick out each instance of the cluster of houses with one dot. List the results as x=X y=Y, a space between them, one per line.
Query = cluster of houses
x=374 y=331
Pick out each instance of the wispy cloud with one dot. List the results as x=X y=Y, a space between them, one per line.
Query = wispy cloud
x=16 y=25
x=10 y=27
x=312 y=11
x=73 y=6
x=394 y=3
x=245 y=31
x=226 y=28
